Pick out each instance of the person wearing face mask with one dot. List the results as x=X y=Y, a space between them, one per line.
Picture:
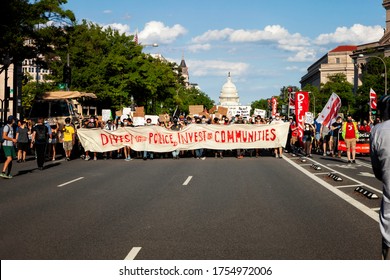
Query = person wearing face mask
x=350 y=134
x=277 y=120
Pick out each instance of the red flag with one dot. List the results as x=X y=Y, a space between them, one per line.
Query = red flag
x=291 y=102
x=136 y=38
x=274 y=106
x=330 y=110
x=373 y=99
x=301 y=107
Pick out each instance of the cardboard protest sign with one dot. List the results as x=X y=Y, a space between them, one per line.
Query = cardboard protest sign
x=195 y=110
x=139 y=112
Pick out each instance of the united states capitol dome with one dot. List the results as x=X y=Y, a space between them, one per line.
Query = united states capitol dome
x=229 y=94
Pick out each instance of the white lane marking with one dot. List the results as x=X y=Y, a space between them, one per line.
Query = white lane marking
x=369 y=212
x=133 y=253
x=70 y=182
x=350 y=178
x=187 y=181
x=347 y=186
x=376 y=209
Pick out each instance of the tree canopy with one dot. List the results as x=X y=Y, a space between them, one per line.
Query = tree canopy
x=39 y=21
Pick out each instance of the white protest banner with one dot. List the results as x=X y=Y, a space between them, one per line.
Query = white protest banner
x=153 y=118
x=106 y=115
x=243 y=111
x=309 y=117
x=260 y=112
x=138 y=121
x=160 y=139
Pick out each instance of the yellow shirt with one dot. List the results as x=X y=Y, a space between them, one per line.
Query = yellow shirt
x=68 y=132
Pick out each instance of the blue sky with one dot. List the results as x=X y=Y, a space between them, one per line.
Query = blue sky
x=265 y=44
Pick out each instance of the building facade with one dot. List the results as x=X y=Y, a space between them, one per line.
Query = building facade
x=334 y=62
x=379 y=49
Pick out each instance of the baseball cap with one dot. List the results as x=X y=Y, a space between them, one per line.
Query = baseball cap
x=10 y=118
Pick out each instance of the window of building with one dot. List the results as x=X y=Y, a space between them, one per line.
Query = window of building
x=337 y=60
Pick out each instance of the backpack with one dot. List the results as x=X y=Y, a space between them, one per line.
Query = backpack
x=40 y=135
x=1 y=133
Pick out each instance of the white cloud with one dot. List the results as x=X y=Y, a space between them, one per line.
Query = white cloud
x=201 y=68
x=356 y=35
x=157 y=32
x=199 y=47
x=213 y=35
x=122 y=28
x=107 y=12
x=303 y=55
x=271 y=34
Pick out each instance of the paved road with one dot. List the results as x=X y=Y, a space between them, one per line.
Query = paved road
x=254 y=208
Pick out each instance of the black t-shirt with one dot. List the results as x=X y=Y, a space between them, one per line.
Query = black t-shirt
x=337 y=130
x=41 y=133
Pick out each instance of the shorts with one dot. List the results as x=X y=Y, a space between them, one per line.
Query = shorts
x=68 y=145
x=293 y=139
x=9 y=151
x=23 y=147
x=318 y=136
x=326 y=138
x=350 y=143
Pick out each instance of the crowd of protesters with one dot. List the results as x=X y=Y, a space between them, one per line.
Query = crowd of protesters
x=62 y=140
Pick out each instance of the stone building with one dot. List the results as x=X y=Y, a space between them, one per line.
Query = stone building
x=373 y=50
x=336 y=61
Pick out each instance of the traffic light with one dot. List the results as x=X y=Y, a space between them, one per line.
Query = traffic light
x=67 y=75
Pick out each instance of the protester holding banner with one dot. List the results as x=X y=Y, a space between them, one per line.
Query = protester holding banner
x=278 y=150
x=92 y=122
x=325 y=136
x=146 y=153
x=176 y=126
x=294 y=135
x=334 y=139
x=350 y=134
x=308 y=137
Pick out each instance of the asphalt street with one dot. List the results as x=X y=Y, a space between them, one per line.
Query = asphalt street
x=253 y=208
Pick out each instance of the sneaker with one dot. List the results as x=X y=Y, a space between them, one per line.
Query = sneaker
x=324 y=154
x=349 y=162
x=95 y=158
x=221 y=157
x=128 y=159
x=353 y=161
x=9 y=176
x=3 y=175
x=203 y=158
x=87 y=158
x=68 y=159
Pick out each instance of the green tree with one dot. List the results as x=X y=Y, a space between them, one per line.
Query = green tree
x=113 y=66
x=372 y=77
x=317 y=99
x=338 y=84
x=23 y=19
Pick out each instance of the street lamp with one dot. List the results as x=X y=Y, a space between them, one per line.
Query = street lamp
x=150 y=45
x=384 y=63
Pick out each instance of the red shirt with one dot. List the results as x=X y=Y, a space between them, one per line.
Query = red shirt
x=294 y=133
x=350 y=131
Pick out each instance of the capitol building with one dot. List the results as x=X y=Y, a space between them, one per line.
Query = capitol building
x=229 y=94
